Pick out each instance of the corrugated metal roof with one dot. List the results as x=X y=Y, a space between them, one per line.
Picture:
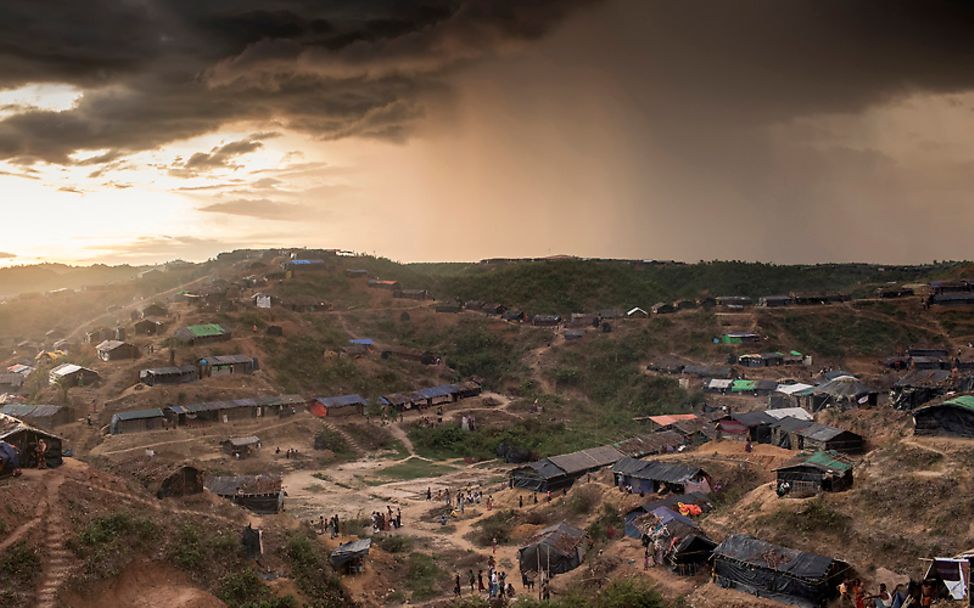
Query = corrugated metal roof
x=789 y=412
x=589 y=459
x=820 y=432
x=24 y=410
x=669 y=472
x=145 y=414
x=229 y=359
x=792 y=425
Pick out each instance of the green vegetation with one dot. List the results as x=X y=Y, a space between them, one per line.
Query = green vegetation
x=375 y=438
x=244 y=589
x=106 y=542
x=19 y=564
x=497 y=526
x=607 y=525
x=193 y=547
x=333 y=441
x=300 y=365
x=394 y=543
x=308 y=559
x=816 y=517
x=425 y=578
x=607 y=371
x=414 y=468
x=575 y=286
x=843 y=333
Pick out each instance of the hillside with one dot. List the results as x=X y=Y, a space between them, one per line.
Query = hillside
x=543 y=394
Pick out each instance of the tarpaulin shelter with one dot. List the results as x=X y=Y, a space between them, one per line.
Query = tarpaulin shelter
x=953 y=417
x=349 y=557
x=673 y=501
x=557 y=472
x=919 y=386
x=555 y=550
x=25 y=438
x=954 y=573
x=843 y=391
x=787 y=575
x=653 y=476
x=811 y=473
x=262 y=494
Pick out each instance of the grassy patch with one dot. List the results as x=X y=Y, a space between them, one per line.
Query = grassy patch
x=314 y=575
x=375 y=438
x=106 y=542
x=414 y=468
x=333 y=441
x=425 y=578
x=497 y=526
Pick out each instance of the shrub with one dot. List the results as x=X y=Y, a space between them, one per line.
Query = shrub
x=19 y=564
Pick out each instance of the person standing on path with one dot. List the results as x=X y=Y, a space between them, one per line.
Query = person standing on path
x=457 y=589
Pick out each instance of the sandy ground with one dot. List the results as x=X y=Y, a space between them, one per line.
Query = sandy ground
x=144 y=584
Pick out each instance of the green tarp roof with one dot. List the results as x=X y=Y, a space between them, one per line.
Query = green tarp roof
x=206 y=329
x=964 y=401
x=829 y=460
x=743 y=385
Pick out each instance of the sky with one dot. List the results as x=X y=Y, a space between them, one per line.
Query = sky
x=140 y=131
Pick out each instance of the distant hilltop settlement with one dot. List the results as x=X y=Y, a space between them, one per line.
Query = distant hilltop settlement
x=321 y=430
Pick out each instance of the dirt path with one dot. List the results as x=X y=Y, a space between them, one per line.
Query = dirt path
x=397 y=431
x=221 y=434
x=534 y=360
x=52 y=488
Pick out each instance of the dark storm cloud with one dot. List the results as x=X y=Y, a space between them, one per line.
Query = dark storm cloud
x=154 y=71
x=219 y=157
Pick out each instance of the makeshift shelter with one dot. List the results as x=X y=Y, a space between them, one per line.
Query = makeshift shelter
x=513 y=314
x=557 y=549
x=163 y=479
x=686 y=548
x=787 y=575
x=24 y=438
x=412 y=294
x=169 y=375
x=202 y=334
x=261 y=494
x=673 y=501
x=784 y=433
x=653 y=476
x=540 y=476
x=134 y=421
x=69 y=374
x=148 y=327
x=953 y=574
x=811 y=473
x=43 y=416
x=775 y=301
x=241 y=447
x=559 y=472
x=918 y=386
x=756 y=425
x=342 y=405
x=637 y=312
x=823 y=437
x=236 y=409
x=663 y=308
x=219 y=365
x=649 y=444
x=954 y=417
x=843 y=392
x=545 y=320
x=349 y=558
x=154 y=310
